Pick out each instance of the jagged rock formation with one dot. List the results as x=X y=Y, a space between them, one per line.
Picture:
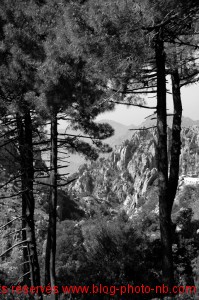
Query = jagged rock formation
x=128 y=178
x=190 y=151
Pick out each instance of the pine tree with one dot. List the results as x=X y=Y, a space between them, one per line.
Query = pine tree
x=21 y=53
x=138 y=36
x=71 y=90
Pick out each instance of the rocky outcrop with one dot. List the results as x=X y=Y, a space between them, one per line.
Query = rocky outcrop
x=128 y=178
x=190 y=151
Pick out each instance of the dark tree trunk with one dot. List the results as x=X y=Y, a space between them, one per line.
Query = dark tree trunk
x=53 y=210
x=176 y=139
x=47 y=255
x=164 y=208
x=26 y=265
x=30 y=226
x=51 y=238
x=48 y=242
x=28 y=203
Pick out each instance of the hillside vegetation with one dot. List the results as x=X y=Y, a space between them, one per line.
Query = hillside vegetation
x=114 y=201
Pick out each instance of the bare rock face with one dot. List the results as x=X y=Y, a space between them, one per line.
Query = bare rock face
x=125 y=155
x=84 y=184
x=137 y=160
x=189 y=161
x=127 y=180
x=122 y=179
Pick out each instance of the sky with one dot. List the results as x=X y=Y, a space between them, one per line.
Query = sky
x=135 y=116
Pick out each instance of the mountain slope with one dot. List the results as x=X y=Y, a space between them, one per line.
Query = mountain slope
x=186 y=122
x=121 y=134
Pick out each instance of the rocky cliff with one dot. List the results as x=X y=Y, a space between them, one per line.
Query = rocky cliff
x=127 y=179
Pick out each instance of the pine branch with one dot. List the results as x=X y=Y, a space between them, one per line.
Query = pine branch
x=141 y=92
x=7 y=133
x=21 y=277
x=64 y=174
x=10 y=180
x=60 y=167
x=14 y=156
x=58 y=185
x=137 y=105
x=70 y=181
x=63 y=160
x=17 y=218
x=13 y=232
x=8 y=123
x=144 y=128
x=8 y=142
x=50 y=169
x=180 y=43
x=12 y=196
x=190 y=82
x=151 y=115
x=77 y=136
x=189 y=77
x=18 y=244
x=141 y=88
x=64 y=153
x=162 y=24
x=42 y=183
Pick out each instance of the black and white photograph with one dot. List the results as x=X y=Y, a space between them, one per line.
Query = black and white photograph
x=99 y=149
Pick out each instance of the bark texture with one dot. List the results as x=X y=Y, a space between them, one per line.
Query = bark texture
x=176 y=138
x=164 y=208
x=24 y=126
x=50 y=275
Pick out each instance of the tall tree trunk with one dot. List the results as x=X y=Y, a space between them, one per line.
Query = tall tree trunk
x=176 y=139
x=26 y=265
x=48 y=247
x=28 y=202
x=51 y=237
x=30 y=226
x=48 y=242
x=175 y=159
x=164 y=208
